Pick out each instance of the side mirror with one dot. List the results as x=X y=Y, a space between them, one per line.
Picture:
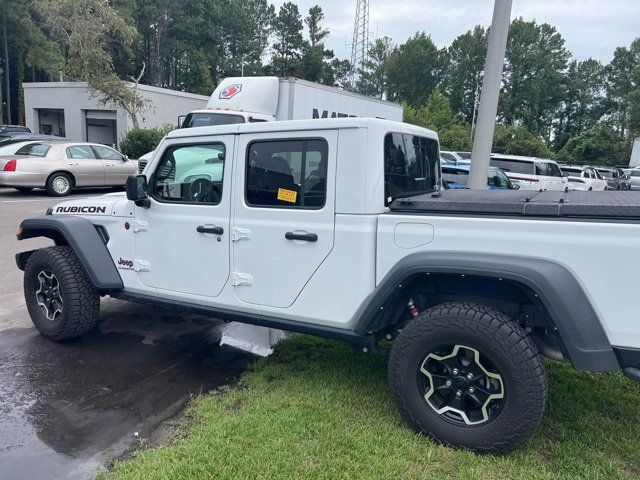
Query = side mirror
x=515 y=186
x=137 y=190
x=125 y=158
x=181 y=120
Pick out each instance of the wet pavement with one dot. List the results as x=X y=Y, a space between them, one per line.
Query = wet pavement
x=66 y=408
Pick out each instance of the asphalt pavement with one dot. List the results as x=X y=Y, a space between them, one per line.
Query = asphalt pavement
x=66 y=408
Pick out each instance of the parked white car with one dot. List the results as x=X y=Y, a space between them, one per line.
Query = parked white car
x=578 y=184
x=590 y=176
x=531 y=173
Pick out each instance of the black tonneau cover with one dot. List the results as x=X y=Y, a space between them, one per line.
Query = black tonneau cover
x=606 y=205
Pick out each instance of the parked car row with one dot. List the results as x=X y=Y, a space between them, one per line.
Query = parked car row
x=532 y=173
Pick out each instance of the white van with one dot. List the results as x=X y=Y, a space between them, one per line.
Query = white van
x=531 y=173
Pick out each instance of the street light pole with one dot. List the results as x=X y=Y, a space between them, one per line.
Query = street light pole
x=486 y=124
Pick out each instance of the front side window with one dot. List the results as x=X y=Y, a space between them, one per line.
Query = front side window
x=190 y=174
x=287 y=173
x=411 y=165
x=107 y=153
x=497 y=179
x=80 y=151
x=34 y=150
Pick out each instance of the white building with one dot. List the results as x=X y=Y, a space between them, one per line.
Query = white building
x=68 y=109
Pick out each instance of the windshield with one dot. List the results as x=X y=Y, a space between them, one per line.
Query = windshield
x=606 y=173
x=34 y=150
x=208 y=119
x=411 y=165
x=464 y=155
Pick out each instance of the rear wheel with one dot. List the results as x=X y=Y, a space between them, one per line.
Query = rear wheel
x=60 y=298
x=59 y=184
x=469 y=377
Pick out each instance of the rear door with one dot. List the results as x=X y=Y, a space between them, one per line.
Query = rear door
x=549 y=176
x=116 y=167
x=85 y=166
x=284 y=206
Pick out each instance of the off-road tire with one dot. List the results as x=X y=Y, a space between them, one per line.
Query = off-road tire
x=498 y=338
x=51 y=190
x=23 y=189
x=80 y=299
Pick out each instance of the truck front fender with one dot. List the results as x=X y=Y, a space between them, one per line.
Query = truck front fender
x=557 y=288
x=81 y=235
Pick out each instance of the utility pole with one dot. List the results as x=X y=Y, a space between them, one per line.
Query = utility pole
x=486 y=125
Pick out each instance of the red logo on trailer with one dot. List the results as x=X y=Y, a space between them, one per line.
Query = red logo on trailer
x=231 y=91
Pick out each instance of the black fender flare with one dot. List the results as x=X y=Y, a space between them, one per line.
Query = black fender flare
x=81 y=235
x=557 y=288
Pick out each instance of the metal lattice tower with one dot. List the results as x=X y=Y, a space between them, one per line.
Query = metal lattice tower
x=360 y=44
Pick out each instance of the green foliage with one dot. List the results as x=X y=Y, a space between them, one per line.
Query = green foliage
x=517 y=140
x=438 y=115
x=464 y=62
x=289 y=41
x=374 y=77
x=316 y=409
x=143 y=140
x=600 y=145
x=533 y=76
x=413 y=70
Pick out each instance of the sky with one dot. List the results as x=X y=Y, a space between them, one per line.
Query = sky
x=591 y=28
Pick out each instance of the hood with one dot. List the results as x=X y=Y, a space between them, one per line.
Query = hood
x=101 y=206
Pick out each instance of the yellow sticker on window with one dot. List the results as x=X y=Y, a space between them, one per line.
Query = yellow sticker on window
x=287 y=195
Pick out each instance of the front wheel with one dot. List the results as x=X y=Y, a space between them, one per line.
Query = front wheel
x=469 y=377
x=60 y=298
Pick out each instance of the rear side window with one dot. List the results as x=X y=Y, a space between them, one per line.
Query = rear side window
x=34 y=150
x=513 y=166
x=548 y=169
x=410 y=165
x=287 y=173
x=80 y=151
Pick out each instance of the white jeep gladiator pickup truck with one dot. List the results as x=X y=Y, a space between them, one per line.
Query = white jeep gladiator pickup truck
x=339 y=228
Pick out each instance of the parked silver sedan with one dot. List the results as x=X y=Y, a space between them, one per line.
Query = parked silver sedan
x=61 y=166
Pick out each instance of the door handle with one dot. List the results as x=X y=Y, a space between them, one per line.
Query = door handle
x=307 y=237
x=215 y=230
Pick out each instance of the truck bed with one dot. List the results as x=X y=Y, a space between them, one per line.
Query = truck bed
x=623 y=206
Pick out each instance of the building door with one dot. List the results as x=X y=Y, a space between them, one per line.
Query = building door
x=102 y=127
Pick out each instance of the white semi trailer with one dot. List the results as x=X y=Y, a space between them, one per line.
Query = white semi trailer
x=266 y=99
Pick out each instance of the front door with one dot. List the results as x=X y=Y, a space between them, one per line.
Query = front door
x=283 y=224
x=116 y=167
x=182 y=239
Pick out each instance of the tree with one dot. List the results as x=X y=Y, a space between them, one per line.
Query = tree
x=622 y=80
x=374 y=79
x=533 y=84
x=600 y=145
x=314 y=63
x=86 y=28
x=414 y=70
x=288 y=33
x=438 y=115
x=582 y=105
x=464 y=61
x=517 y=140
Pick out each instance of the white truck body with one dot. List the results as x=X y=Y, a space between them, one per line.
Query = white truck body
x=256 y=242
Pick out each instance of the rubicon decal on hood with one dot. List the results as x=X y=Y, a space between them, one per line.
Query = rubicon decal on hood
x=230 y=91
x=81 y=209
